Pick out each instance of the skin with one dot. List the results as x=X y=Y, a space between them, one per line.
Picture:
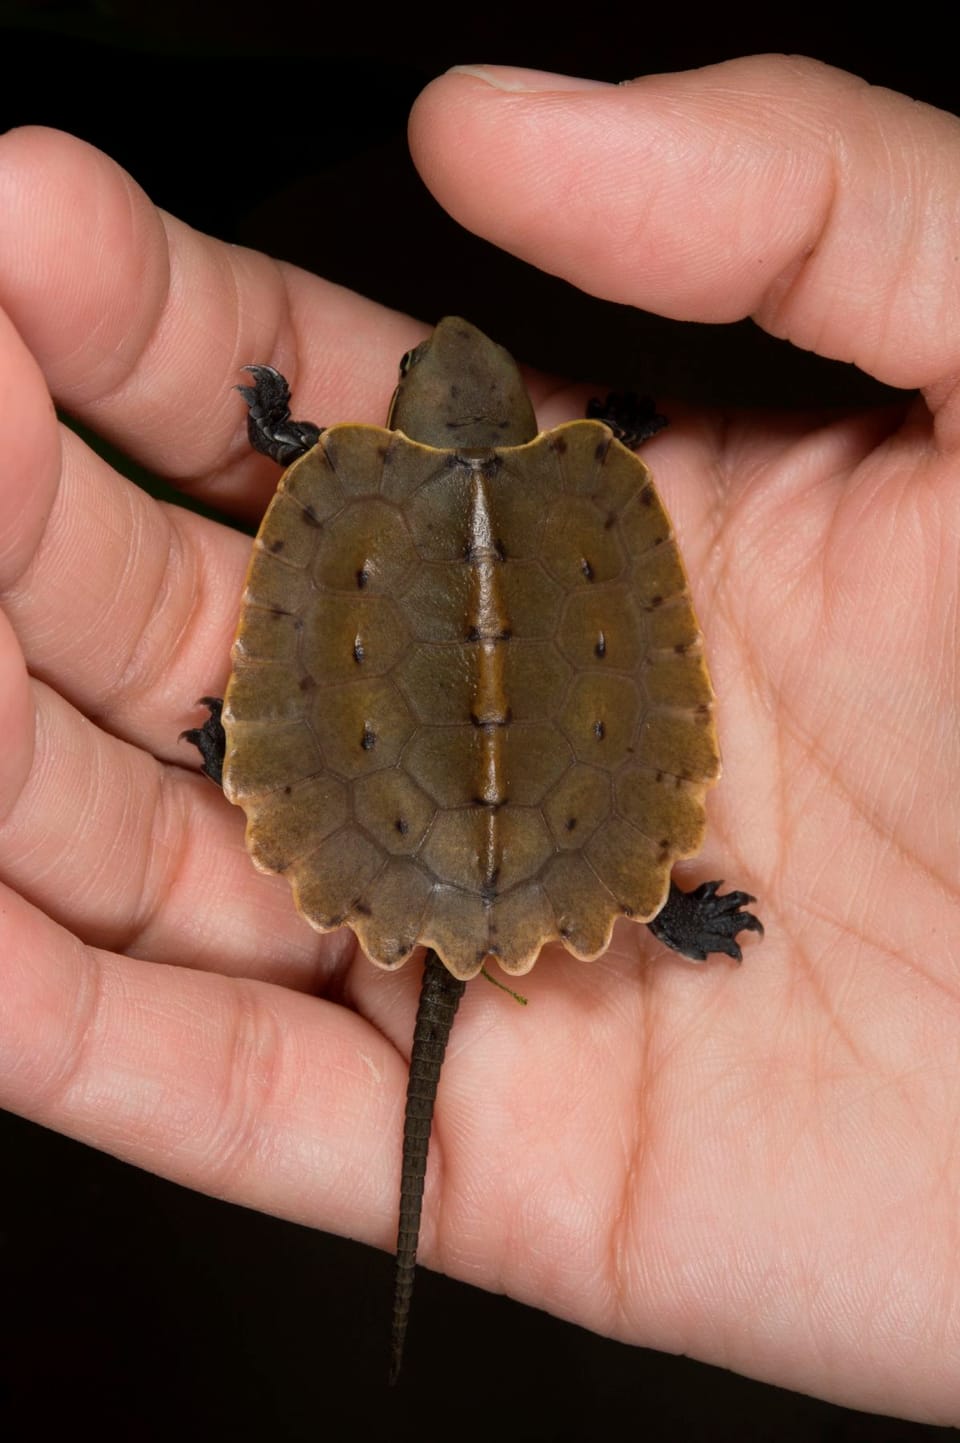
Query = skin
x=759 y=1167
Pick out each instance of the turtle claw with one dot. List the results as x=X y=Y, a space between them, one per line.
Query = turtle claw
x=631 y=418
x=269 y=427
x=700 y=922
x=209 y=739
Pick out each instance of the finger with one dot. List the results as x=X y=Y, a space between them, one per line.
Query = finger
x=247 y=1091
x=774 y=187
x=141 y=325
x=137 y=856
x=124 y=605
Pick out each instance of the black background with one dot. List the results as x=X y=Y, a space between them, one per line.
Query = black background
x=135 y=1308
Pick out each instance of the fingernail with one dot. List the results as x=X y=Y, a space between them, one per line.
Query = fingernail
x=511 y=77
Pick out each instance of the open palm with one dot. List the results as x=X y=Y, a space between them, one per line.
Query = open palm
x=758 y=1166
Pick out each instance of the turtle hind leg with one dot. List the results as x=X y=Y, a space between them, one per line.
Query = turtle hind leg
x=700 y=922
x=269 y=425
x=440 y=995
x=210 y=739
x=631 y=418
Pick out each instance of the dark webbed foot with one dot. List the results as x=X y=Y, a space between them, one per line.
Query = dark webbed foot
x=209 y=739
x=631 y=418
x=269 y=425
x=699 y=922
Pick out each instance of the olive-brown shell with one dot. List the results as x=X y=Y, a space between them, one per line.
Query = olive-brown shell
x=469 y=706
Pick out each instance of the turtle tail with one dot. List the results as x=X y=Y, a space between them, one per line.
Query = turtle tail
x=440 y=995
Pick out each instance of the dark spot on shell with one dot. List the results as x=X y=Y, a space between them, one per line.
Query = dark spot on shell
x=627 y=911
x=307 y=682
x=654 y=602
x=454 y=391
x=488 y=893
x=334 y=920
x=287 y=790
x=646 y=496
x=362 y=909
x=565 y=929
x=586 y=568
x=559 y=445
x=383 y=452
x=276 y=546
x=570 y=823
x=682 y=647
x=702 y=710
x=500 y=550
x=279 y=611
x=358 y=652
x=402 y=826
x=601 y=647
x=659 y=776
x=298 y=623
x=369 y=739
x=664 y=841
x=601 y=450
x=363 y=576
x=310 y=516
x=610 y=521
x=599 y=730
x=473 y=634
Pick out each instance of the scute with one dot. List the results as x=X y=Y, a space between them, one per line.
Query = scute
x=634 y=870
x=364 y=548
x=361 y=727
x=577 y=806
x=392 y=809
x=601 y=717
x=469 y=707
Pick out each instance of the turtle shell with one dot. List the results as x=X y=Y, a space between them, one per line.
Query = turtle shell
x=469 y=705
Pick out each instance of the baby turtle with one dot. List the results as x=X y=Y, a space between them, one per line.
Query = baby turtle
x=469 y=707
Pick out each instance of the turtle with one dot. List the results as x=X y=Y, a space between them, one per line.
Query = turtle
x=469 y=707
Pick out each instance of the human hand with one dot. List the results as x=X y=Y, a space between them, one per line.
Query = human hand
x=755 y=1167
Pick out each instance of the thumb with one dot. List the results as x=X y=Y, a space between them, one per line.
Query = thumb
x=774 y=187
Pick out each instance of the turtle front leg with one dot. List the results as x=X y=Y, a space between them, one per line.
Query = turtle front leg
x=269 y=425
x=631 y=418
x=210 y=739
x=699 y=922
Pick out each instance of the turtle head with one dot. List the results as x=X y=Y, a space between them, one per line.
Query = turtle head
x=458 y=389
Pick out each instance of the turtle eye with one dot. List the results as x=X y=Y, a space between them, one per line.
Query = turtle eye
x=412 y=357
